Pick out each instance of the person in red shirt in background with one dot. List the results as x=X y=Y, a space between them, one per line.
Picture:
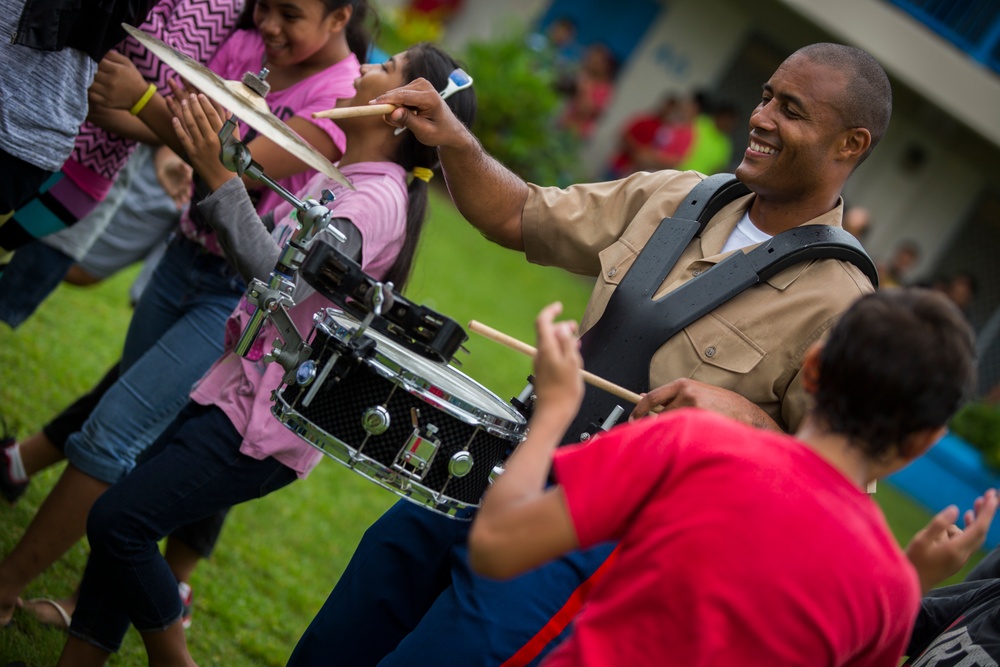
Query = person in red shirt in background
x=657 y=140
x=738 y=545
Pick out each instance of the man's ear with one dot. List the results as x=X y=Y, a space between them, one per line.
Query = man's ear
x=810 y=368
x=916 y=444
x=856 y=141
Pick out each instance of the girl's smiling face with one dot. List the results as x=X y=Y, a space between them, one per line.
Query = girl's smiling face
x=296 y=31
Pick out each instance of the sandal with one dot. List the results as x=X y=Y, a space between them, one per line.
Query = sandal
x=65 y=618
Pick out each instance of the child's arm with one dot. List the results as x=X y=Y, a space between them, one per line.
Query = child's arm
x=247 y=242
x=118 y=84
x=521 y=524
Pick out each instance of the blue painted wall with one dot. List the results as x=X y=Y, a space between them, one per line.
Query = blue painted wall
x=951 y=473
x=620 y=25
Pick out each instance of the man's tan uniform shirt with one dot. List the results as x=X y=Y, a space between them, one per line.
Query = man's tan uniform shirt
x=752 y=344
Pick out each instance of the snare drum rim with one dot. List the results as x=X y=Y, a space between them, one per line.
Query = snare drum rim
x=427 y=390
x=453 y=405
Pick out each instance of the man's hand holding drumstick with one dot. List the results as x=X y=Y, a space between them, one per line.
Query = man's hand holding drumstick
x=681 y=393
x=416 y=106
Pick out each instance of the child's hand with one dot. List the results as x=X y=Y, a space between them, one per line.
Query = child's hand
x=197 y=123
x=941 y=547
x=174 y=174
x=558 y=383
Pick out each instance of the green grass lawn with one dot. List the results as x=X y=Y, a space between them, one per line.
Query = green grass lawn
x=278 y=557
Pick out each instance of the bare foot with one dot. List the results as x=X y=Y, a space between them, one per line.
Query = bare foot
x=57 y=613
x=7 y=612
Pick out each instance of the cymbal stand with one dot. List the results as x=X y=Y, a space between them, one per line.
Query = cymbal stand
x=273 y=298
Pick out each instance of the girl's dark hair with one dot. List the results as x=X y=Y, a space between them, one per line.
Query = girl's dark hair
x=359 y=32
x=429 y=62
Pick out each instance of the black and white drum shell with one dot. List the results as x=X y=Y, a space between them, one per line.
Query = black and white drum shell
x=416 y=426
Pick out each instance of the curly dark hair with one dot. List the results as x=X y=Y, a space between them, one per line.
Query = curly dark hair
x=900 y=361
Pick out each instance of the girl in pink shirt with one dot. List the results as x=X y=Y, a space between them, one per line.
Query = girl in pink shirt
x=224 y=448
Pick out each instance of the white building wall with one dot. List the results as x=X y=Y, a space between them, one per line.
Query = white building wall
x=926 y=62
x=926 y=206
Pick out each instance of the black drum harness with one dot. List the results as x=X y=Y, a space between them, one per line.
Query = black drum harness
x=634 y=322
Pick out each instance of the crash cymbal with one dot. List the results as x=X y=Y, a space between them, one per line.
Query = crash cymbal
x=240 y=100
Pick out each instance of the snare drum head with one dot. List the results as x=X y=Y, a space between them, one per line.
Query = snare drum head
x=436 y=381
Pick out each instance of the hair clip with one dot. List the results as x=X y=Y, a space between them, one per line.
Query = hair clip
x=458 y=80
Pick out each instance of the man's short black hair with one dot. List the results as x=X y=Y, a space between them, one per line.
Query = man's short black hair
x=899 y=361
x=867 y=100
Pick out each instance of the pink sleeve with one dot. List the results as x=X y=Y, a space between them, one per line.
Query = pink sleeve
x=337 y=82
x=608 y=479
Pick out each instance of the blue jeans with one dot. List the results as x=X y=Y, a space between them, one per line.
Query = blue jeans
x=175 y=335
x=408 y=597
x=195 y=471
x=33 y=273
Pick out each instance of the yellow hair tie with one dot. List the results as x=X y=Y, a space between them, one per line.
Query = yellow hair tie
x=423 y=173
x=144 y=100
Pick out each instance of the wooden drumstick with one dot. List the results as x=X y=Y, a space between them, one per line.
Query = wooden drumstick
x=353 y=112
x=524 y=348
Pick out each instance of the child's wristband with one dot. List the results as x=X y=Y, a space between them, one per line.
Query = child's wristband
x=143 y=101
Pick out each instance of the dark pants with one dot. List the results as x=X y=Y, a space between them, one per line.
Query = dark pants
x=195 y=470
x=408 y=597
x=31 y=276
x=20 y=182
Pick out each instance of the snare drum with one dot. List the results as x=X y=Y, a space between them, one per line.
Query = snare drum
x=415 y=426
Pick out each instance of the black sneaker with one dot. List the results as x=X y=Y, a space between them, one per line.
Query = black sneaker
x=10 y=489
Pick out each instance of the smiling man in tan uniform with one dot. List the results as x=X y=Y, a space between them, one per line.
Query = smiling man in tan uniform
x=408 y=596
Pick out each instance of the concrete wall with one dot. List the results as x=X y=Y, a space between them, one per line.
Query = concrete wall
x=922 y=60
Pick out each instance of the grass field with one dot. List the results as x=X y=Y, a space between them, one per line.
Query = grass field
x=278 y=557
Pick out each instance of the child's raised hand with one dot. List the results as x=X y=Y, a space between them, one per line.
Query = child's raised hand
x=197 y=123
x=558 y=383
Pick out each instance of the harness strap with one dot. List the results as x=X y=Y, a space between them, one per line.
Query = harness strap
x=620 y=345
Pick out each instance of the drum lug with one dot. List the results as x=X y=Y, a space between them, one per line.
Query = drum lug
x=306 y=373
x=417 y=455
x=375 y=420
x=460 y=464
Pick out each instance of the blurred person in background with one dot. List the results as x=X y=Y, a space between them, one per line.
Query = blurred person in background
x=656 y=140
x=896 y=270
x=858 y=221
x=593 y=89
x=711 y=143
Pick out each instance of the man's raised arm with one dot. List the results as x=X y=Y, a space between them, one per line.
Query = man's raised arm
x=489 y=195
